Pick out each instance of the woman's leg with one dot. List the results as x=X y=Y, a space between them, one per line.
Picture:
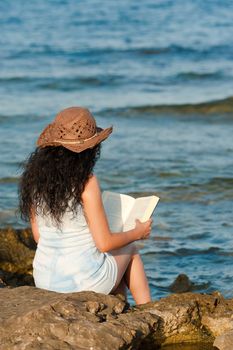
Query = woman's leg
x=131 y=270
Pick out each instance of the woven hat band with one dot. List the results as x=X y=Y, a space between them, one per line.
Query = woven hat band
x=74 y=142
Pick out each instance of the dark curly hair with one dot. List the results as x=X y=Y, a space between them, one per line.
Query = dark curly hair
x=54 y=179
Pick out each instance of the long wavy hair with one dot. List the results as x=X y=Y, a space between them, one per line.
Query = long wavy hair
x=54 y=179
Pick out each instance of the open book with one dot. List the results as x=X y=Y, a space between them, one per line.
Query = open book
x=122 y=210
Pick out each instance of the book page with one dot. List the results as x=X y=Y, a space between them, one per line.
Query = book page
x=142 y=210
x=117 y=207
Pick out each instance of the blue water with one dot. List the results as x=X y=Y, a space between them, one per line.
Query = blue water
x=160 y=72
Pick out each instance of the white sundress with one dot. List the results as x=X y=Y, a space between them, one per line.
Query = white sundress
x=67 y=259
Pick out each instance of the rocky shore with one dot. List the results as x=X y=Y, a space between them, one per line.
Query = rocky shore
x=31 y=318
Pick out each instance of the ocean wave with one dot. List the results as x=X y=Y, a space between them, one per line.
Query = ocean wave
x=189 y=252
x=188 y=76
x=63 y=83
x=214 y=190
x=70 y=84
x=183 y=252
x=7 y=213
x=16 y=79
x=223 y=106
x=47 y=50
x=180 y=49
x=9 y=180
x=173 y=49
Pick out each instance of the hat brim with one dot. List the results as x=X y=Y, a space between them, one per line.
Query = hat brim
x=101 y=135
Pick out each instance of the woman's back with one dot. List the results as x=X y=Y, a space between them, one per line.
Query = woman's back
x=64 y=235
x=67 y=258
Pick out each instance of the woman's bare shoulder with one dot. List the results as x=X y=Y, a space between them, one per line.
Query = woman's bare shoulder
x=92 y=187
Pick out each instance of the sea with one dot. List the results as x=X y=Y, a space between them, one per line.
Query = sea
x=160 y=72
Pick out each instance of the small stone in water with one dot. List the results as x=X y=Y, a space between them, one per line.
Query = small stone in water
x=181 y=284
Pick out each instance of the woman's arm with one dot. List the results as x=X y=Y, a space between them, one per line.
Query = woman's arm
x=34 y=226
x=97 y=221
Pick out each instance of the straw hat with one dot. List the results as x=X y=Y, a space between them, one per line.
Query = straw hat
x=75 y=129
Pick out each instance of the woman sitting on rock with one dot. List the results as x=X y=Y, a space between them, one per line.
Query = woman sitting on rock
x=59 y=193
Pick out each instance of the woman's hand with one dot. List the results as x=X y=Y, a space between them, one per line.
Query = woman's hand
x=104 y=239
x=143 y=229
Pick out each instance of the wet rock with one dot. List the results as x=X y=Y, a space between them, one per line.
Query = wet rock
x=181 y=284
x=17 y=250
x=224 y=341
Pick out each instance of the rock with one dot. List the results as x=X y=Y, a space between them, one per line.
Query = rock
x=221 y=321
x=2 y=284
x=181 y=284
x=36 y=319
x=94 y=307
x=224 y=341
x=33 y=318
x=17 y=250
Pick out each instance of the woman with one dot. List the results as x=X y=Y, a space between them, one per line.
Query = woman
x=61 y=196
